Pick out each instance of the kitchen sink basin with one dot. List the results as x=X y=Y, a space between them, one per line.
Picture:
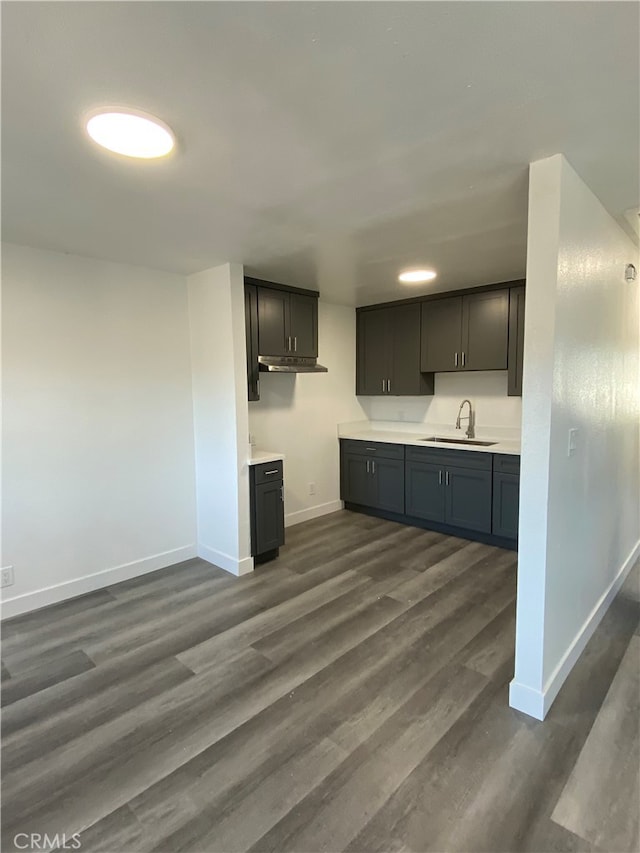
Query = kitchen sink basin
x=441 y=438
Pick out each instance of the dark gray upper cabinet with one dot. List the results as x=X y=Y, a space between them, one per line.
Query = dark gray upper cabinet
x=273 y=311
x=388 y=352
x=287 y=323
x=303 y=325
x=251 y=331
x=467 y=332
x=516 y=341
x=485 y=330
x=441 y=335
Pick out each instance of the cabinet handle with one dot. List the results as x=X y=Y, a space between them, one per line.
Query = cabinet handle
x=289 y=344
x=388 y=386
x=383 y=386
x=373 y=467
x=275 y=471
x=455 y=359
x=295 y=344
x=367 y=466
x=282 y=493
x=373 y=449
x=439 y=478
x=463 y=358
x=447 y=478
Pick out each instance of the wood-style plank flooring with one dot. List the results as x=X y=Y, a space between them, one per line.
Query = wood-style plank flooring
x=352 y=695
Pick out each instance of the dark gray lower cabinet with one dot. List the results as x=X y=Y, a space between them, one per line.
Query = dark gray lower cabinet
x=456 y=491
x=468 y=499
x=506 y=495
x=424 y=493
x=455 y=494
x=267 y=510
x=373 y=480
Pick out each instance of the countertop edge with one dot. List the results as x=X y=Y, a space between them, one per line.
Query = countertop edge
x=507 y=448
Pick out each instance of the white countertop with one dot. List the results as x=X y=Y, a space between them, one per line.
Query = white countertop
x=259 y=456
x=505 y=441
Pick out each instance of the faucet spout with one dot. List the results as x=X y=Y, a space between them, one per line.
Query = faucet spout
x=470 y=418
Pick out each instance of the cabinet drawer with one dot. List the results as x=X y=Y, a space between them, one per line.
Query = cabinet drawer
x=458 y=458
x=504 y=463
x=373 y=448
x=267 y=472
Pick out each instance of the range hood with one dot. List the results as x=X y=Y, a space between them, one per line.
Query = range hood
x=289 y=364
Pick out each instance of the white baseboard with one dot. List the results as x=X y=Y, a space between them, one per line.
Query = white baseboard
x=294 y=518
x=537 y=703
x=225 y=561
x=89 y=583
x=527 y=700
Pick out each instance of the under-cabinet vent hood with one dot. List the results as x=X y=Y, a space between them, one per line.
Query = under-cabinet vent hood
x=289 y=364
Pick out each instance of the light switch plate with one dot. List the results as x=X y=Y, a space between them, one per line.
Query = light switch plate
x=572 y=444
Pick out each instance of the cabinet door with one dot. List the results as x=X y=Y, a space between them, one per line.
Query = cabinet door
x=441 y=329
x=405 y=378
x=303 y=325
x=516 y=341
x=251 y=332
x=485 y=330
x=372 y=369
x=357 y=480
x=273 y=321
x=424 y=490
x=506 y=498
x=269 y=517
x=388 y=482
x=468 y=498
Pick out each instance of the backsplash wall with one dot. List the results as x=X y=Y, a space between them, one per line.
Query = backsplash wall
x=487 y=391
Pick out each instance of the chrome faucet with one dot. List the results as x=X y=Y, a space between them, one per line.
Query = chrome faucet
x=470 y=418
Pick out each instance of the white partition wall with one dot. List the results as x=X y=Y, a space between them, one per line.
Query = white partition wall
x=221 y=419
x=579 y=493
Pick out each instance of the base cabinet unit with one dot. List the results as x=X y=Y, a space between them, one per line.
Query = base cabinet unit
x=461 y=492
x=372 y=475
x=267 y=510
x=506 y=495
x=451 y=487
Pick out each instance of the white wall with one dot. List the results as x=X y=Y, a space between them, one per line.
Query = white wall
x=298 y=414
x=98 y=480
x=487 y=391
x=218 y=356
x=579 y=513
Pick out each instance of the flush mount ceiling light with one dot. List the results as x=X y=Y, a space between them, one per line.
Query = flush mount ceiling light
x=416 y=276
x=130 y=132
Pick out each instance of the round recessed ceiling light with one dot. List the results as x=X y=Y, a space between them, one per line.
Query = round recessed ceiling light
x=132 y=133
x=416 y=276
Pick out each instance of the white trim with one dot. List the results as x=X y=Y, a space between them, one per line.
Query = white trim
x=294 y=518
x=225 y=561
x=526 y=699
x=89 y=583
x=537 y=703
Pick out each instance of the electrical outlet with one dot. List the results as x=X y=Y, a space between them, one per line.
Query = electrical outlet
x=312 y=488
x=572 y=444
x=6 y=576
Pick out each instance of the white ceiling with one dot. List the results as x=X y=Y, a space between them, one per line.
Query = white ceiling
x=326 y=145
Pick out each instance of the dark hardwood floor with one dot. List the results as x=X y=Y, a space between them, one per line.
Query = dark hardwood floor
x=352 y=695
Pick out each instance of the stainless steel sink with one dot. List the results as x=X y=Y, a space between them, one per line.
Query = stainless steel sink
x=441 y=438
